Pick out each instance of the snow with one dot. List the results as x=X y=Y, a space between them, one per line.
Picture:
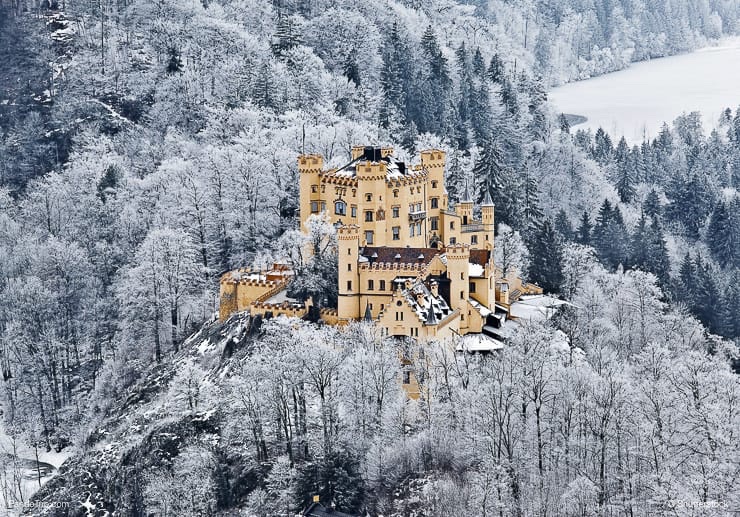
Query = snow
x=479 y=343
x=475 y=270
x=26 y=457
x=535 y=307
x=636 y=101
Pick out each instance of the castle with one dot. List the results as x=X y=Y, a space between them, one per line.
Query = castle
x=408 y=260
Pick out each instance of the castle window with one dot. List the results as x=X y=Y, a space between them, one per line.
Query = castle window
x=411 y=229
x=349 y=285
x=453 y=240
x=395 y=193
x=418 y=190
x=349 y=251
x=314 y=189
x=368 y=216
x=434 y=184
x=474 y=239
x=323 y=188
x=382 y=287
x=354 y=192
x=434 y=221
x=353 y=210
x=369 y=236
x=399 y=303
x=314 y=207
x=452 y=225
x=434 y=202
x=382 y=306
x=418 y=228
x=371 y=306
x=368 y=197
x=396 y=211
x=340 y=208
x=462 y=295
x=323 y=206
x=465 y=219
x=349 y=267
x=396 y=233
x=411 y=191
x=399 y=316
x=371 y=285
x=406 y=377
x=471 y=287
x=462 y=275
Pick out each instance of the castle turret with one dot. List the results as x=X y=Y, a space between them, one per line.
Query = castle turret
x=309 y=169
x=487 y=217
x=348 y=241
x=465 y=207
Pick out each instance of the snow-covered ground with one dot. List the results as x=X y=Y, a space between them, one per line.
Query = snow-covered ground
x=636 y=101
x=19 y=474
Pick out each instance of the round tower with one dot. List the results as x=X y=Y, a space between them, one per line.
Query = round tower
x=348 y=241
x=309 y=170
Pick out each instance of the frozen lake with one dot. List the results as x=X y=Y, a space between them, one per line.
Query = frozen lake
x=635 y=102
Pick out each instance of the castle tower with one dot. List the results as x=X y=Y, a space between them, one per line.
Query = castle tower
x=227 y=297
x=348 y=241
x=458 y=257
x=487 y=217
x=309 y=168
x=433 y=160
x=465 y=207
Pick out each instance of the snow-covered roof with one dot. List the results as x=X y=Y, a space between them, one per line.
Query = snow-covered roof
x=479 y=343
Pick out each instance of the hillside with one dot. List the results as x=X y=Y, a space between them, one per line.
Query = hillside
x=146 y=147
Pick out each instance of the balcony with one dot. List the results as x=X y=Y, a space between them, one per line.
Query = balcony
x=469 y=228
x=417 y=216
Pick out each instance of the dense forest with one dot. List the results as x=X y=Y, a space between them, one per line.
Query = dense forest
x=145 y=147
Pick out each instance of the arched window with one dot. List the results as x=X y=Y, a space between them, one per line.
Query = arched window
x=340 y=208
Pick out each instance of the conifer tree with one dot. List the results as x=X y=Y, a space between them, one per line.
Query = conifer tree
x=496 y=69
x=479 y=66
x=721 y=235
x=651 y=206
x=603 y=148
x=583 y=234
x=546 y=266
x=563 y=225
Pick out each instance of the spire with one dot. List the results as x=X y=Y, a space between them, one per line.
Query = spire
x=466 y=196
x=487 y=201
x=368 y=314
x=431 y=317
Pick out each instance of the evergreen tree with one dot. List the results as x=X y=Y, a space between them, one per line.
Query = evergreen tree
x=691 y=202
x=603 y=148
x=610 y=237
x=563 y=225
x=490 y=170
x=583 y=234
x=625 y=175
x=658 y=260
x=546 y=266
x=564 y=124
x=651 y=206
x=721 y=235
x=496 y=69
x=479 y=66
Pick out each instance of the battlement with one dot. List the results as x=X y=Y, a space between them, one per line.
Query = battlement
x=457 y=251
x=348 y=232
x=387 y=266
x=310 y=163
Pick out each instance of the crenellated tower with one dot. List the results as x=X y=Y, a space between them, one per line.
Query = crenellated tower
x=348 y=242
x=309 y=170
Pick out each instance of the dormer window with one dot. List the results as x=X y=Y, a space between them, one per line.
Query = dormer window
x=340 y=208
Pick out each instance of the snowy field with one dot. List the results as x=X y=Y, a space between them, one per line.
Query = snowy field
x=636 y=101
